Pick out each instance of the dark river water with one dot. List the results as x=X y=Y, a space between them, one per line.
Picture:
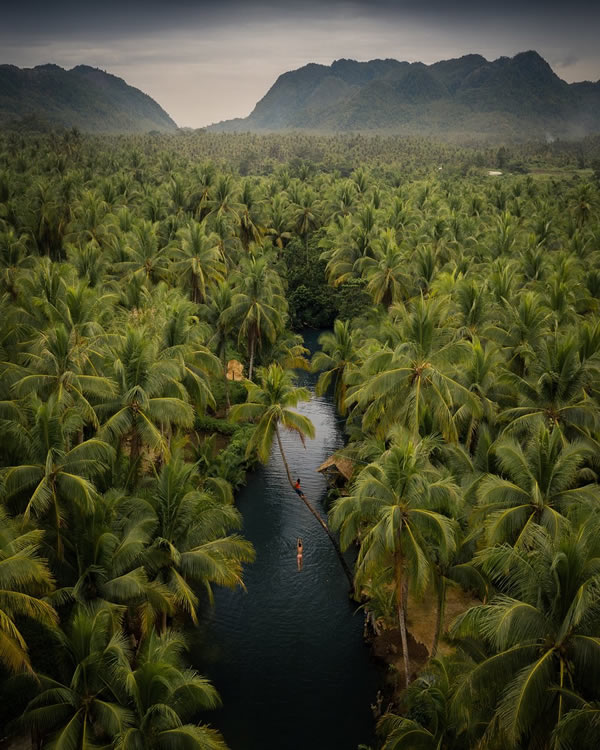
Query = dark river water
x=287 y=655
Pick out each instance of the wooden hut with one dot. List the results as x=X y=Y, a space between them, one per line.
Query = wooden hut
x=337 y=468
x=235 y=370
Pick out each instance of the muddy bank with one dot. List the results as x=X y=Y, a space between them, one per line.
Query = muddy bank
x=421 y=622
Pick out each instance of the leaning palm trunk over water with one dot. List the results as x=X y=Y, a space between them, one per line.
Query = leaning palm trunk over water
x=268 y=405
x=317 y=515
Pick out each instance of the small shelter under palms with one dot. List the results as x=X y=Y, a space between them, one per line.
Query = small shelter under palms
x=336 y=466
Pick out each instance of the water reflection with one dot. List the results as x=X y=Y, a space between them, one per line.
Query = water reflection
x=287 y=656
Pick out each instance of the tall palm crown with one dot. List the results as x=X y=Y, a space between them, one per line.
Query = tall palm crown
x=556 y=390
x=386 y=271
x=61 y=365
x=191 y=544
x=521 y=328
x=55 y=479
x=336 y=357
x=166 y=699
x=81 y=707
x=542 y=483
x=397 y=385
x=182 y=337
x=150 y=396
x=270 y=404
x=24 y=579
x=197 y=259
x=106 y=568
x=257 y=306
x=538 y=640
x=393 y=511
x=145 y=252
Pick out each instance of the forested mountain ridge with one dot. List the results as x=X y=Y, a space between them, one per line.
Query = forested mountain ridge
x=84 y=97
x=520 y=97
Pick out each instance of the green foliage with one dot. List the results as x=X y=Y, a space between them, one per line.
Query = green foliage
x=233 y=462
x=468 y=97
x=83 y=98
x=463 y=353
x=205 y=423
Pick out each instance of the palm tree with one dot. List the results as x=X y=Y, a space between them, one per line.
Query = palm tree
x=183 y=337
x=215 y=313
x=58 y=362
x=521 y=329
x=269 y=405
x=306 y=216
x=146 y=254
x=426 y=721
x=24 y=578
x=150 y=397
x=386 y=271
x=228 y=241
x=257 y=306
x=88 y=222
x=14 y=256
x=191 y=545
x=106 y=567
x=541 y=484
x=224 y=200
x=166 y=698
x=250 y=229
x=48 y=221
x=346 y=244
x=278 y=221
x=537 y=643
x=481 y=373
x=81 y=707
x=197 y=259
x=42 y=290
x=54 y=480
x=337 y=356
x=398 y=385
x=556 y=390
x=473 y=306
x=393 y=512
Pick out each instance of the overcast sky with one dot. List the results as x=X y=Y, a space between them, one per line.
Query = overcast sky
x=209 y=61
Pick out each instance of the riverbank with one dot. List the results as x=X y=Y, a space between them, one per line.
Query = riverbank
x=421 y=624
x=287 y=654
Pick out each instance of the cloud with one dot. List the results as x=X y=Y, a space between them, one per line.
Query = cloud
x=204 y=62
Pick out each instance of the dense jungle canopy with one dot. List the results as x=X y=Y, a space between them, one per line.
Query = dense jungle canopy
x=460 y=287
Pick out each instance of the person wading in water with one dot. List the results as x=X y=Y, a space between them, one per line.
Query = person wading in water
x=299 y=550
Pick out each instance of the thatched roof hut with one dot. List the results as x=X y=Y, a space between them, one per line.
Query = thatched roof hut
x=339 y=465
x=235 y=370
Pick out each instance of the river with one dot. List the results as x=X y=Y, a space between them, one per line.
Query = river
x=287 y=655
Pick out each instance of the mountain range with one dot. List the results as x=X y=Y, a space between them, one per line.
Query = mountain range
x=83 y=97
x=519 y=97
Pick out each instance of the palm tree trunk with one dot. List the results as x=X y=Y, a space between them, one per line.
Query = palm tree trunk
x=135 y=450
x=441 y=608
x=195 y=290
x=401 y=605
x=227 y=399
x=315 y=513
x=251 y=364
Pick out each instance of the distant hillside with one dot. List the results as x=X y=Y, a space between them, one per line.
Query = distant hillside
x=85 y=98
x=519 y=97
